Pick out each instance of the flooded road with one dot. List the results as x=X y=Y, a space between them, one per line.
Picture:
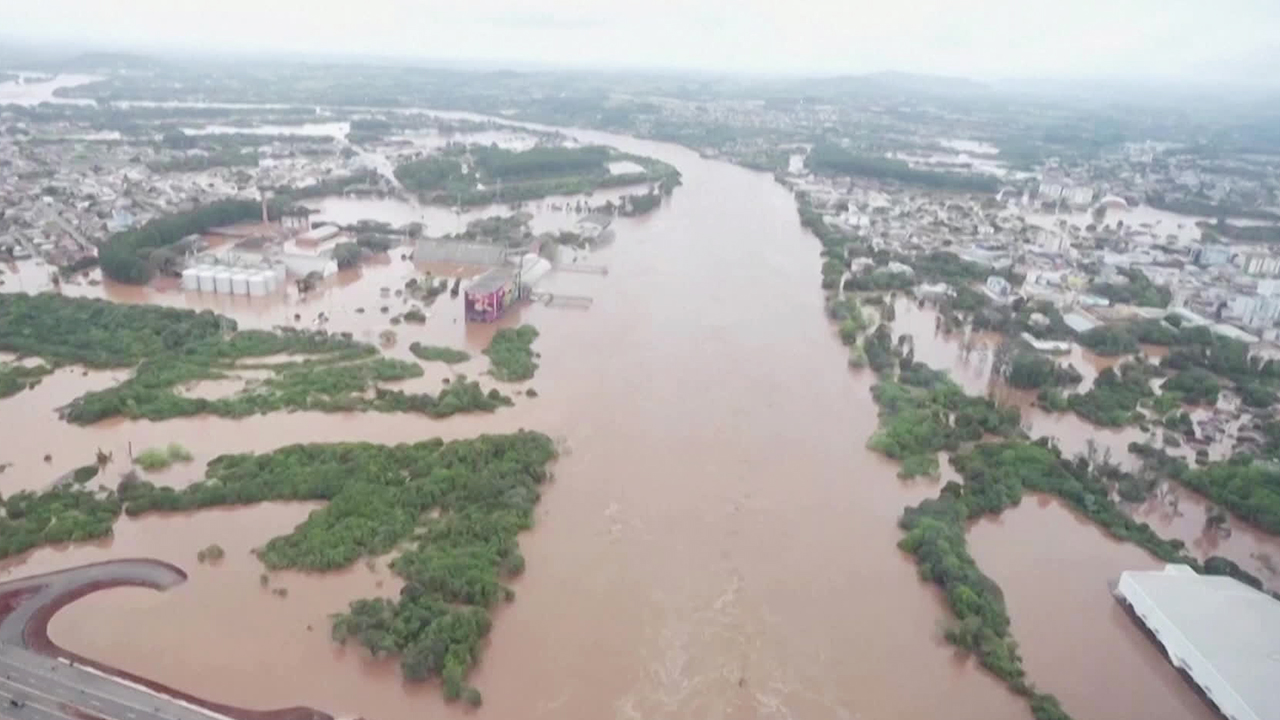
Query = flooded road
x=718 y=541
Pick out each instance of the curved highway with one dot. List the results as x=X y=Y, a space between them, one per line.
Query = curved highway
x=41 y=681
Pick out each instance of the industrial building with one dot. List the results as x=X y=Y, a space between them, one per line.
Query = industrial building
x=234 y=280
x=1223 y=634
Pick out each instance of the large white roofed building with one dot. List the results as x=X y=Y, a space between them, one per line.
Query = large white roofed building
x=1222 y=633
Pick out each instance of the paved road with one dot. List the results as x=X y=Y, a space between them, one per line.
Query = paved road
x=147 y=573
x=54 y=690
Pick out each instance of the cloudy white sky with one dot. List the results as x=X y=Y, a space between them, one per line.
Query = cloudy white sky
x=1196 y=39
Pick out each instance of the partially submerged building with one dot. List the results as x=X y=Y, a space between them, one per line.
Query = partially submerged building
x=493 y=293
x=1223 y=634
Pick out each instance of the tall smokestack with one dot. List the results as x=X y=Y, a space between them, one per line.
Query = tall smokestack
x=264 y=208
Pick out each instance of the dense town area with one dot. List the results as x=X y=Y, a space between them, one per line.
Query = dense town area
x=1047 y=302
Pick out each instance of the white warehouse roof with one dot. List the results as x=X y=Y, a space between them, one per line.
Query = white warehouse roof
x=1221 y=632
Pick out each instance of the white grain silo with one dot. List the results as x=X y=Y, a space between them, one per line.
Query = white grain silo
x=206 y=279
x=240 y=283
x=222 y=282
x=191 y=279
x=257 y=284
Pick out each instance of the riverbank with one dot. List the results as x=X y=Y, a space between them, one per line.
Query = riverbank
x=714 y=452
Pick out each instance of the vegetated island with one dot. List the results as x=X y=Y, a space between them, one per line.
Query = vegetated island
x=481 y=175
x=168 y=347
x=452 y=510
x=511 y=354
x=438 y=353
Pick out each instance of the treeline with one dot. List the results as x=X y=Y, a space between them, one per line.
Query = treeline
x=995 y=477
x=452 y=509
x=1029 y=371
x=221 y=158
x=1247 y=488
x=124 y=256
x=1207 y=208
x=1247 y=233
x=923 y=413
x=499 y=175
x=98 y=333
x=495 y=163
x=831 y=158
x=172 y=347
x=1198 y=354
x=64 y=513
x=1113 y=399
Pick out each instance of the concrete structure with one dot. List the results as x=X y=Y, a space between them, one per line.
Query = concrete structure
x=997 y=288
x=41 y=681
x=1057 y=347
x=462 y=253
x=1211 y=255
x=204 y=276
x=303 y=265
x=1080 y=321
x=222 y=281
x=1222 y=633
x=257 y=283
x=1264 y=265
x=239 y=283
x=1114 y=202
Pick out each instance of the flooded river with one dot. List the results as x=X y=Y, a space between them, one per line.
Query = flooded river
x=718 y=542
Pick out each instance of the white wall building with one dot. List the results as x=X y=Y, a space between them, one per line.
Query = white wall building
x=1222 y=633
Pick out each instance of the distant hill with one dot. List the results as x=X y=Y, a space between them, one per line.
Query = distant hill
x=924 y=83
x=872 y=84
x=89 y=61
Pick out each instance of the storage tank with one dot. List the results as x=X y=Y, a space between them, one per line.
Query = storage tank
x=240 y=283
x=222 y=282
x=190 y=279
x=258 y=284
x=282 y=274
x=205 y=277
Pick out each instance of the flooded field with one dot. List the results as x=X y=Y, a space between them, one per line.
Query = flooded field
x=718 y=542
x=1092 y=655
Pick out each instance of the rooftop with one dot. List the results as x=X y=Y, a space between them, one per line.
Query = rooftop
x=490 y=281
x=1234 y=629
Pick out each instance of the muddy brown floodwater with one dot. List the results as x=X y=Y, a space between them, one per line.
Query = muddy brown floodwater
x=718 y=541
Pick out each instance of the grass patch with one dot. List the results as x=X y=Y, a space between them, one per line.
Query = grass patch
x=154 y=459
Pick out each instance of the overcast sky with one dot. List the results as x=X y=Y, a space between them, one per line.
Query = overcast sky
x=1193 y=39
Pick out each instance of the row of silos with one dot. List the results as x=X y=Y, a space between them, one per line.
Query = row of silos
x=222 y=280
